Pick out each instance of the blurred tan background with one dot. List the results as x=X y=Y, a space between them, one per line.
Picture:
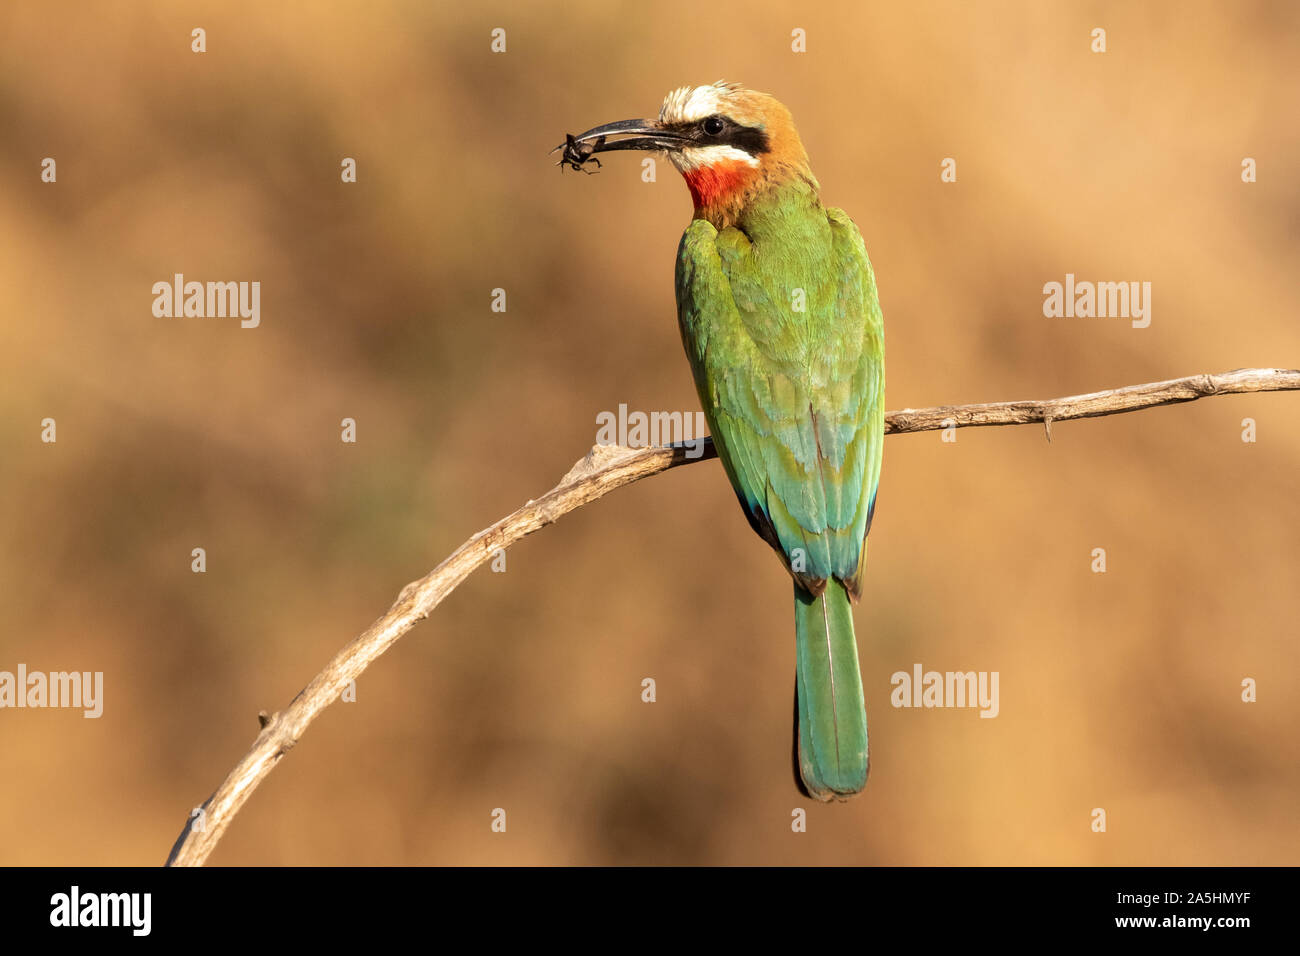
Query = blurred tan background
x=1119 y=691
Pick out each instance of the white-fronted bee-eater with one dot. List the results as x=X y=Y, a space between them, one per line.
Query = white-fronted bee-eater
x=778 y=312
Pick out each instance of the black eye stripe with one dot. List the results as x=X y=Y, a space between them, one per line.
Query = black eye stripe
x=749 y=138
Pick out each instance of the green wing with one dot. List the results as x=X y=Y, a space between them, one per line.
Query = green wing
x=794 y=398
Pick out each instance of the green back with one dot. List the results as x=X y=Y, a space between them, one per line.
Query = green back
x=794 y=399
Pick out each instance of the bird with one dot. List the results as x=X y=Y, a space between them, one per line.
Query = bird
x=782 y=326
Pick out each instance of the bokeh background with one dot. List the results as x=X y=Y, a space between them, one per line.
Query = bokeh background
x=1118 y=690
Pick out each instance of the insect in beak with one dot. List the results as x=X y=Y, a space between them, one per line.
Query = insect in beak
x=636 y=134
x=577 y=153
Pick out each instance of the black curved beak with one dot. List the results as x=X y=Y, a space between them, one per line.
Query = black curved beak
x=641 y=133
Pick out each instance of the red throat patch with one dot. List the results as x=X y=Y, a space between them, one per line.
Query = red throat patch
x=715 y=185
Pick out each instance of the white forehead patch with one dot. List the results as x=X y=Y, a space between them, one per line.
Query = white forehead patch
x=690 y=104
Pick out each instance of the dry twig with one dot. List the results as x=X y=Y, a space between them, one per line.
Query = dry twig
x=604 y=469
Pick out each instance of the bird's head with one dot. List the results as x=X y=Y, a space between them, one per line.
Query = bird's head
x=729 y=143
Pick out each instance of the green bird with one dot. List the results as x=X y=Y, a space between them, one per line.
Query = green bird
x=777 y=306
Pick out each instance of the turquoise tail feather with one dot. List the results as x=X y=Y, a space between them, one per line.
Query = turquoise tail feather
x=832 y=715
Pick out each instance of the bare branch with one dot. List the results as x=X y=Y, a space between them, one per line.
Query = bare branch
x=604 y=469
x=1094 y=404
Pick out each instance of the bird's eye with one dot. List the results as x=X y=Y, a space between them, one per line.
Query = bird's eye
x=713 y=125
